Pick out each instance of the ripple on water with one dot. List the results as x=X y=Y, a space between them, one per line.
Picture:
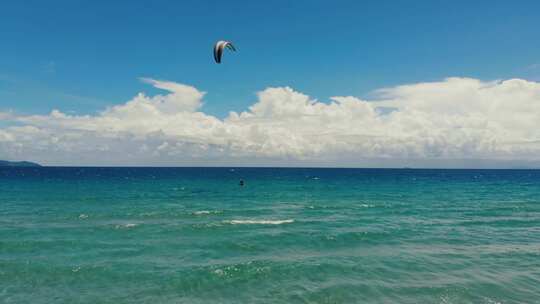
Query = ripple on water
x=260 y=222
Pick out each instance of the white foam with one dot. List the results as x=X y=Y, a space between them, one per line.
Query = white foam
x=123 y=226
x=202 y=212
x=219 y=272
x=206 y=212
x=260 y=222
x=83 y=216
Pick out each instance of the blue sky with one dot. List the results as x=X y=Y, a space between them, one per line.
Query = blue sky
x=81 y=56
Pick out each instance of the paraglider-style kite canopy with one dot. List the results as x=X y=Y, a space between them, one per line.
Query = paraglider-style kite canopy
x=219 y=47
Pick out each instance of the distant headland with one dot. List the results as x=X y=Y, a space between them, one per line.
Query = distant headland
x=5 y=163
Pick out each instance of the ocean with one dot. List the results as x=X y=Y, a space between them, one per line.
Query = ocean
x=194 y=235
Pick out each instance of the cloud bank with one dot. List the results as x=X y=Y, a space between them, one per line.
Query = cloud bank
x=443 y=124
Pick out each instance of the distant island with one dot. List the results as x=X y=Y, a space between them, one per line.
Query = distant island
x=5 y=163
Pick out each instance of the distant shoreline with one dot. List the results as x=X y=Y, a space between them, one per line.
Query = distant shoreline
x=5 y=163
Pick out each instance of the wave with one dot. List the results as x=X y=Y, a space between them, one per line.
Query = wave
x=202 y=212
x=206 y=212
x=260 y=222
x=366 y=205
x=125 y=226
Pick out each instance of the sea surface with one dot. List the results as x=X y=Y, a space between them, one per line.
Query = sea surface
x=194 y=235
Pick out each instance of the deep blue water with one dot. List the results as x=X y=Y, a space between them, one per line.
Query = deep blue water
x=193 y=235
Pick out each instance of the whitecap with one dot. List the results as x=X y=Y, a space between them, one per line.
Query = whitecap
x=260 y=222
x=125 y=226
x=206 y=212
x=83 y=216
x=202 y=212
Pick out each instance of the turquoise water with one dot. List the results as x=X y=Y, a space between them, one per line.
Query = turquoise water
x=193 y=235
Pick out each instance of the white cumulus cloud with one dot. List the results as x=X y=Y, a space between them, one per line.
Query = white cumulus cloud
x=425 y=124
